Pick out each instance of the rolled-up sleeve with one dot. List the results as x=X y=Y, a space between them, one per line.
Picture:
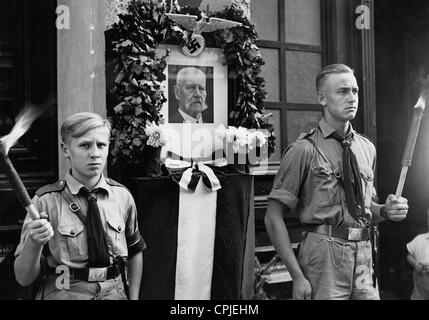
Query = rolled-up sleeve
x=135 y=242
x=292 y=172
x=411 y=247
x=24 y=234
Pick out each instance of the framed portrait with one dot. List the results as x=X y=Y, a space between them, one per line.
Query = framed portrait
x=199 y=88
x=197 y=102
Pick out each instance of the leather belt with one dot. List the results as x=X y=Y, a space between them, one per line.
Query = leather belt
x=349 y=234
x=94 y=274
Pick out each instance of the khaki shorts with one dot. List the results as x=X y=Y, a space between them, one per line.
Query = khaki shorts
x=337 y=269
x=81 y=290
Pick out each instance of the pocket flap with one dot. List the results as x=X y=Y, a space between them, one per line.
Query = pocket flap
x=321 y=171
x=117 y=225
x=71 y=231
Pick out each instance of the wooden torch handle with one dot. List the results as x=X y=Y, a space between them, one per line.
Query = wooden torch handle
x=401 y=181
x=411 y=142
x=17 y=185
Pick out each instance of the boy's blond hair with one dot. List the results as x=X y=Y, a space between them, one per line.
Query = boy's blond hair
x=80 y=123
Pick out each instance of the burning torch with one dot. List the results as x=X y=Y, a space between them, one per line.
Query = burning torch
x=412 y=135
x=23 y=123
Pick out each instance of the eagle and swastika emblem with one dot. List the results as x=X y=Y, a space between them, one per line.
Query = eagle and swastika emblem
x=194 y=47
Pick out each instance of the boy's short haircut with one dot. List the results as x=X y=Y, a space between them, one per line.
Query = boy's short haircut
x=80 y=123
x=332 y=68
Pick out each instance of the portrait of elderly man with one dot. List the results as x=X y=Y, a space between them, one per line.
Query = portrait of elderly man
x=188 y=95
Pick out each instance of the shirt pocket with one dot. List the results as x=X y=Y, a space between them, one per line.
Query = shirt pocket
x=73 y=242
x=368 y=184
x=116 y=237
x=326 y=186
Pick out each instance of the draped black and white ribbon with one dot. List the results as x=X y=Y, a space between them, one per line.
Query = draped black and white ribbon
x=196 y=226
x=187 y=174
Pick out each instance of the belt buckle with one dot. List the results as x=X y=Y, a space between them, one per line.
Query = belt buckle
x=97 y=274
x=355 y=234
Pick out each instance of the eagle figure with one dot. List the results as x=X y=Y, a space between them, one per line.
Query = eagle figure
x=197 y=27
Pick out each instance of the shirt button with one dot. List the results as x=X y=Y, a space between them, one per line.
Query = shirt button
x=119 y=228
x=72 y=232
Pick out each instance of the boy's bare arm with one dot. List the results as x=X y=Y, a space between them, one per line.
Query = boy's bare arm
x=280 y=238
x=135 y=270
x=27 y=264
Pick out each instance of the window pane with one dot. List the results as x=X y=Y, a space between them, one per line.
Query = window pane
x=271 y=73
x=275 y=120
x=303 y=21
x=301 y=121
x=301 y=71
x=264 y=14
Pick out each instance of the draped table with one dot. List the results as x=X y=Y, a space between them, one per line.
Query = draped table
x=232 y=275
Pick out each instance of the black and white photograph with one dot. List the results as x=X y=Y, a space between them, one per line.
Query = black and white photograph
x=214 y=156
x=190 y=95
x=196 y=92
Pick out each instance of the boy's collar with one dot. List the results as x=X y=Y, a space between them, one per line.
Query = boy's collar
x=327 y=129
x=75 y=185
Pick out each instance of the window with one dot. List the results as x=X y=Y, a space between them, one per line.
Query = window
x=291 y=44
x=28 y=77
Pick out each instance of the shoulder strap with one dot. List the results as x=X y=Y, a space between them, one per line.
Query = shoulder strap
x=73 y=204
x=112 y=182
x=54 y=187
x=364 y=136
x=306 y=136
x=315 y=146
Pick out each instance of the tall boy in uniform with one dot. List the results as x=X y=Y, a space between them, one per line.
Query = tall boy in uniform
x=326 y=178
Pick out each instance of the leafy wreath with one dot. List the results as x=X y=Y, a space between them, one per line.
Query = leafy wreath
x=137 y=96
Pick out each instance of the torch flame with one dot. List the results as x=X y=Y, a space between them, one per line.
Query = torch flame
x=424 y=91
x=22 y=124
x=421 y=102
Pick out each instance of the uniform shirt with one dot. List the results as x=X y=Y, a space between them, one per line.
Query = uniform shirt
x=69 y=246
x=308 y=181
x=419 y=249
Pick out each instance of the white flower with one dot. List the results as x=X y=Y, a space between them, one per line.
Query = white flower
x=230 y=134
x=251 y=139
x=156 y=136
x=241 y=132
x=261 y=137
x=242 y=139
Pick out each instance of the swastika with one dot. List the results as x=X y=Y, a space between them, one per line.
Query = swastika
x=193 y=46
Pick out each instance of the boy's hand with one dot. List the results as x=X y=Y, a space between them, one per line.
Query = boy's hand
x=395 y=209
x=301 y=289
x=40 y=231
